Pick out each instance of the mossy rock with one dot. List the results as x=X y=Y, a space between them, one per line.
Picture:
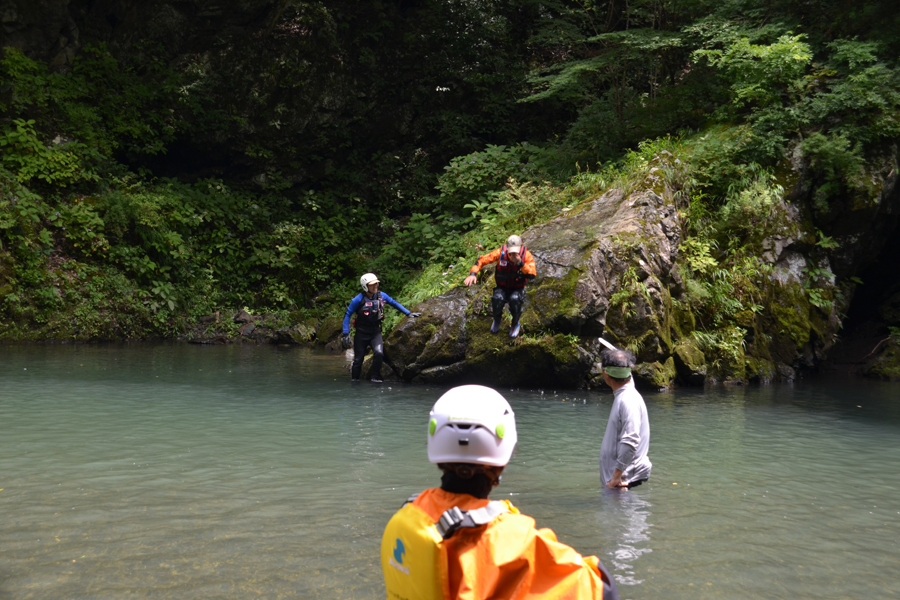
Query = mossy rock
x=890 y=310
x=788 y=322
x=302 y=333
x=655 y=375
x=690 y=364
x=387 y=373
x=437 y=338
x=547 y=361
x=553 y=305
x=329 y=330
x=887 y=364
x=727 y=368
x=405 y=344
x=666 y=320
x=683 y=321
x=760 y=370
x=745 y=319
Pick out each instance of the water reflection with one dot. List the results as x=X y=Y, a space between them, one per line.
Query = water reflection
x=628 y=512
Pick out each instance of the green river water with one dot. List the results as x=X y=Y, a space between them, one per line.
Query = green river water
x=177 y=471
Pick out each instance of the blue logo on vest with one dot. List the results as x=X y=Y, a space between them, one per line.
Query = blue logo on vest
x=399 y=550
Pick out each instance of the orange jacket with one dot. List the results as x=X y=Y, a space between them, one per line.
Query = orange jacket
x=509 y=559
x=529 y=268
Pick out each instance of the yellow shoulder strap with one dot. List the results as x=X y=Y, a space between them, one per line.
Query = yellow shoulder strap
x=410 y=556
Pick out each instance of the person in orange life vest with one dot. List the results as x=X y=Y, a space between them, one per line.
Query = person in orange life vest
x=452 y=543
x=515 y=266
x=369 y=310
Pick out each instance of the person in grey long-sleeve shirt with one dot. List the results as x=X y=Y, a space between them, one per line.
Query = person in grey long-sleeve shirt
x=623 y=453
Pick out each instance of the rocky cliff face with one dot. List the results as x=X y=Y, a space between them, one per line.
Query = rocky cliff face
x=617 y=246
x=614 y=270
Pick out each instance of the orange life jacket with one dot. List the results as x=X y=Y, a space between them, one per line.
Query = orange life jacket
x=503 y=559
x=507 y=274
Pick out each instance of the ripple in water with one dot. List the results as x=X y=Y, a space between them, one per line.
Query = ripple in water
x=230 y=472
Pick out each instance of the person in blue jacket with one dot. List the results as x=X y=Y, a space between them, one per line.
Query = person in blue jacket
x=369 y=310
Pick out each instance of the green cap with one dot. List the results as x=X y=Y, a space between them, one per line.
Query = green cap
x=618 y=372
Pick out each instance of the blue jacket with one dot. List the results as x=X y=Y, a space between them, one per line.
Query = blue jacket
x=354 y=306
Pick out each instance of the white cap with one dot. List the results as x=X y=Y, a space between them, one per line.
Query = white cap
x=471 y=424
x=514 y=243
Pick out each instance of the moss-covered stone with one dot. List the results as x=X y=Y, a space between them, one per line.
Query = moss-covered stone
x=437 y=338
x=406 y=344
x=553 y=305
x=890 y=310
x=683 y=320
x=787 y=321
x=887 y=364
x=655 y=375
x=690 y=364
x=329 y=330
x=760 y=370
x=539 y=362
x=666 y=320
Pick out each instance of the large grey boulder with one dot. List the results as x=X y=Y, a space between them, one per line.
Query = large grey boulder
x=606 y=270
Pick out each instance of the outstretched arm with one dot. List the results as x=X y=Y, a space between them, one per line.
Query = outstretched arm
x=484 y=259
x=394 y=303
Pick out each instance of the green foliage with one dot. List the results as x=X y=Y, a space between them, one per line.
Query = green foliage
x=99 y=108
x=758 y=74
x=696 y=252
x=57 y=163
x=819 y=295
x=751 y=203
x=476 y=179
x=630 y=287
x=725 y=346
x=838 y=160
x=478 y=193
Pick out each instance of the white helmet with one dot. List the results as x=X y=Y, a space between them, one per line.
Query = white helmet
x=471 y=424
x=366 y=279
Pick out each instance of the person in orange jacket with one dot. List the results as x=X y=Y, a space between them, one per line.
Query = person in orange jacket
x=515 y=267
x=452 y=543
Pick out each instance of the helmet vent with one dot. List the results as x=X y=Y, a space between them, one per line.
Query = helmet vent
x=463 y=441
x=466 y=426
x=506 y=412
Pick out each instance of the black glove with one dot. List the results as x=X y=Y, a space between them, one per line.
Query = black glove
x=414 y=315
x=345 y=341
x=520 y=264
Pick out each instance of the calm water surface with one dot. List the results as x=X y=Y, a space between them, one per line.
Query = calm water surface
x=178 y=471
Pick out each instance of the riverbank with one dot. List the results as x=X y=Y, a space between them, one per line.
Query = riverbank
x=860 y=354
